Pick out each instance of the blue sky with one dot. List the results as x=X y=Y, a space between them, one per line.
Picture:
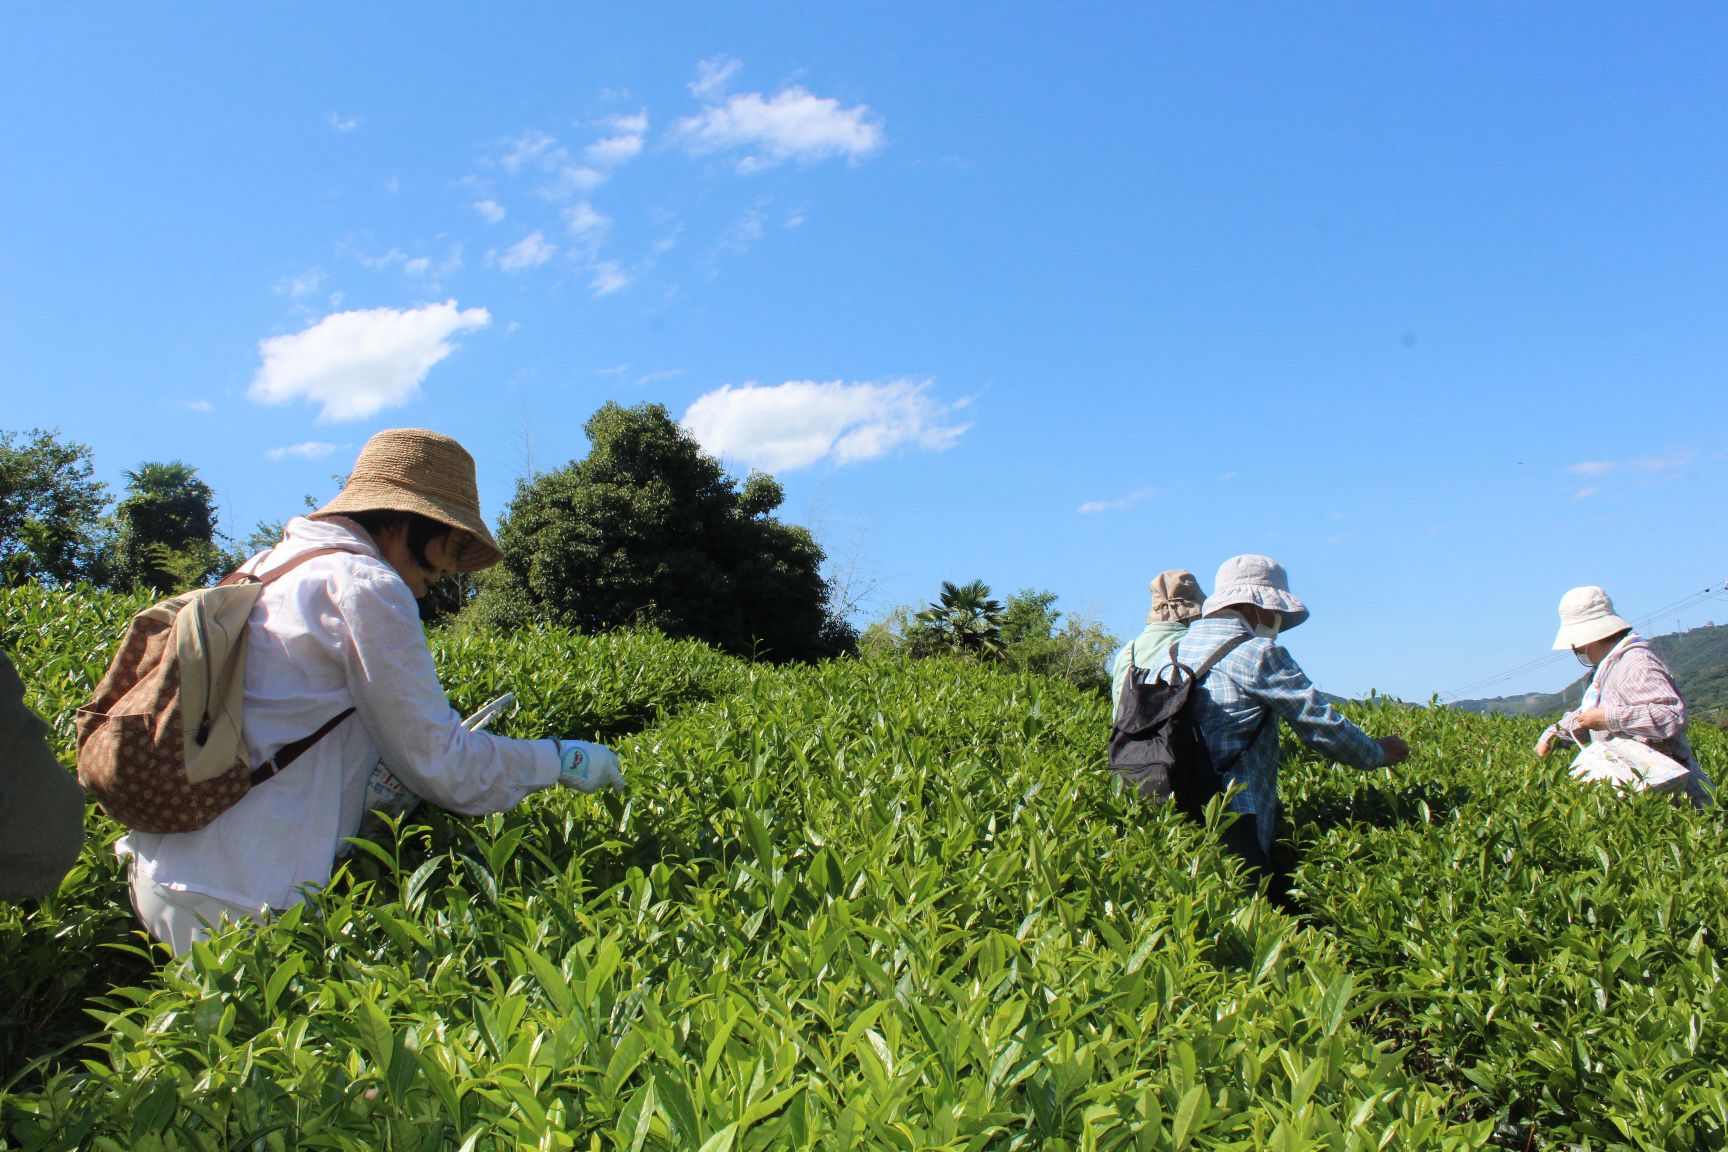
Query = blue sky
x=1425 y=301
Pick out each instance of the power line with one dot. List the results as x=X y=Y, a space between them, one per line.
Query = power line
x=1713 y=592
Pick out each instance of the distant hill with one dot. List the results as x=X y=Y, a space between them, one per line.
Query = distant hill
x=1697 y=657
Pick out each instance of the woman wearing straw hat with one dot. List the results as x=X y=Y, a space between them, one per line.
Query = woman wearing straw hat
x=1631 y=693
x=1176 y=601
x=342 y=631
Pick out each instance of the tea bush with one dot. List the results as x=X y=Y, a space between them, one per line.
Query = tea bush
x=904 y=906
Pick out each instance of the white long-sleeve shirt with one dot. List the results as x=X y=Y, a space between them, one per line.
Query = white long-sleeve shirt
x=341 y=630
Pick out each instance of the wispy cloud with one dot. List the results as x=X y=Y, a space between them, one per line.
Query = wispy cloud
x=798 y=423
x=1092 y=507
x=199 y=405
x=353 y=364
x=563 y=174
x=302 y=285
x=421 y=267
x=793 y=124
x=608 y=278
x=613 y=150
x=526 y=149
x=531 y=251
x=712 y=76
x=648 y=378
x=490 y=210
x=341 y=123
x=310 y=450
x=1585 y=493
x=1672 y=462
x=585 y=224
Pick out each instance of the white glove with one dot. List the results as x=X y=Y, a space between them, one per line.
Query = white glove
x=588 y=767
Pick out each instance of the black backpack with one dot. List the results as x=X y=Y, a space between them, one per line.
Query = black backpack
x=1155 y=742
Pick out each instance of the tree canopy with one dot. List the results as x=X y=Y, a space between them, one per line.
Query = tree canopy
x=50 y=508
x=648 y=529
x=166 y=529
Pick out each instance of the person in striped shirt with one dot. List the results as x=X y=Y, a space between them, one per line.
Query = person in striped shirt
x=1631 y=693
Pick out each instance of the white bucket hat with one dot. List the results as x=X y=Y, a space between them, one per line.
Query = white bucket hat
x=1586 y=616
x=1257 y=580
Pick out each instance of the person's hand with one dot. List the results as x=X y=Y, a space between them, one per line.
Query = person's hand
x=1545 y=743
x=1394 y=749
x=588 y=767
x=1595 y=719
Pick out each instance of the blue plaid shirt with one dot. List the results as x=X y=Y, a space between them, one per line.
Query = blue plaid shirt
x=1231 y=702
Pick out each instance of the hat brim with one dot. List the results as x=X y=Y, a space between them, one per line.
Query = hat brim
x=1582 y=632
x=474 y=550
x=1292 y=610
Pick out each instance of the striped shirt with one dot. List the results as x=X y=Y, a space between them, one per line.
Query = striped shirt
x=1257 y=681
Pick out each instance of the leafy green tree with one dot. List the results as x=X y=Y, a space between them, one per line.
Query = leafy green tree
x=50 y=509
x=963 y=621
x=165 y=537
x=1078 y=651
x=649 y=530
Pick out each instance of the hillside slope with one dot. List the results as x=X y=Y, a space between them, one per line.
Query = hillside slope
x=1698 y=658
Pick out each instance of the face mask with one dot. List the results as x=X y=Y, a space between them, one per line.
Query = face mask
x=1267 y=631
x=1582 y=659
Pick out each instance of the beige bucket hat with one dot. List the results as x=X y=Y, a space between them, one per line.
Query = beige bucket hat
x=1258 y=580
x=1176 y=597
x=413 y=470
x=1586 y=616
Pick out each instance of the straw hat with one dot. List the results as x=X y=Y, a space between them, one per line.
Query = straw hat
x=1586 y=616
x=1257 y=580
x=413 y=470
x=1176 y=597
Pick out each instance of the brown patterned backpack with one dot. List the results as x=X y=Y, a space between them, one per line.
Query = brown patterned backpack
x=159 y=743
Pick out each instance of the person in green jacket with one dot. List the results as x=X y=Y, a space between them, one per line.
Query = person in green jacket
x=1176 y=600
x=41 y=805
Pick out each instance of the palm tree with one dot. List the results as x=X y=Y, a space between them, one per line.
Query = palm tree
x=964 y=620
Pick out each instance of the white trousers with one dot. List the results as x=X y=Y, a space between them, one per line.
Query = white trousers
x=181 y=919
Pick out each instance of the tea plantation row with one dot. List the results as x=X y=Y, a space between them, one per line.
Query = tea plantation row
x=895 y=906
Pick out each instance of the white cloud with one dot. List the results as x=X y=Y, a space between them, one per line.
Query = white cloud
x=356 y=363
x=792 y=125
x=635 y=124
x=302 y=285
x=1585 y=493
x=490 y=210
x=584 y=223
x=341 y=124
x=1092 y=507
x=420 y=267
x=572 y=180
x=648 y=378
x=609 y=278
x=1672 y=462
x=613 y=150
x=527 y=147
x=800 y=422
x=744 y=232
x=529 y=252
x=1669 y=463
x=310 y=450
x=200 y=405
x=712 y=76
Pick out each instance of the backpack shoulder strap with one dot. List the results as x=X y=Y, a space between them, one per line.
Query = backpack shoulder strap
x=270 y=577
x=1222 y=651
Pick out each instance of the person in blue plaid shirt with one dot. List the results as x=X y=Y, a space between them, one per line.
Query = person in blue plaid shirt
x=1239 y=704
